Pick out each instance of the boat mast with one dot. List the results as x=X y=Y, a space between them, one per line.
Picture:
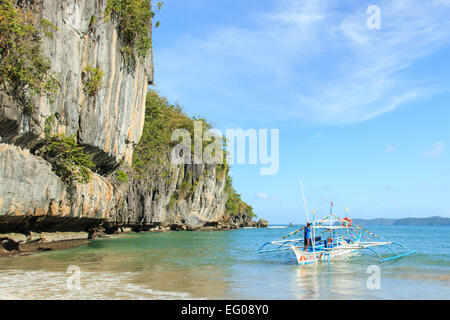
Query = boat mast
x=331 y=214
x=304 y=201
x=313 y=242
x=346 y=209
x=331 y=224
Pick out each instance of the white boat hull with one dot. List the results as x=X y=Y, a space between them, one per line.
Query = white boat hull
x=304 y=258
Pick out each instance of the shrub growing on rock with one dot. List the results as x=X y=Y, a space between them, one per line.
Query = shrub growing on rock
x=121 y=176
x=94 y=78
x=68 y=159
x=134 y=21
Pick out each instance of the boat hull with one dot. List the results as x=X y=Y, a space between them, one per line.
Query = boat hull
x=304 y=258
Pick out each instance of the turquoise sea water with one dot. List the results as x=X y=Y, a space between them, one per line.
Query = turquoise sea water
x=223 y=265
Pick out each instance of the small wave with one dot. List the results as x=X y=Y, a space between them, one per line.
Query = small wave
x=413 y=274
x=43 y=285
x=277 y=227
x=160 y=294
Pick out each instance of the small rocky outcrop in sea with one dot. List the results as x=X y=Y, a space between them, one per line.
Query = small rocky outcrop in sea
x=262 y=223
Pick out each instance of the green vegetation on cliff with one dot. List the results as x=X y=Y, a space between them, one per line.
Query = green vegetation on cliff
x=134 y=19
x=93 y=79
x=26 y=73
x=24 y=70
x=121 y=176
x=161 y=119
x=68 y=159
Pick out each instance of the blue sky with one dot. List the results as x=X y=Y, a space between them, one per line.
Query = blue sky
x=363 y=114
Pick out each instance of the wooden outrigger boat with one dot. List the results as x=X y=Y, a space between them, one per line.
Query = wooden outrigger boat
x=333 y=238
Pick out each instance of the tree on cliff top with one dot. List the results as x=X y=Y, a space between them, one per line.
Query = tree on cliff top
x=161 y=119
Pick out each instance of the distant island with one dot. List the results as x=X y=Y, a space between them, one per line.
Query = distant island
x=431 y=221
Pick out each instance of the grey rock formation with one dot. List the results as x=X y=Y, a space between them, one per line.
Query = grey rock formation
x=238 y=221
x=159 y=201
x=262 y=223
x=109 y=123
x=33 y=198
x=15 y=243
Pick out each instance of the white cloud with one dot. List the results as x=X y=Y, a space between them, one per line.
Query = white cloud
x=296 y=18
x=322 y=61
x=299 y=14
x=369 y=82
x=265 y=196
x=436 y=150
x=262 y=196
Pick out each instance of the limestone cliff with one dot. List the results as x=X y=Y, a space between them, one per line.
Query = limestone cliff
x=33 y=198
x=162 y=202
x=110 y=122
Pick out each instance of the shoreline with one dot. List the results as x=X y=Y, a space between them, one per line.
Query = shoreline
x=29 y=248
x=16 y=244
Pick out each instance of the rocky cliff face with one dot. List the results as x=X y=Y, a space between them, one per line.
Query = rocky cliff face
x=190 y=197
x=108 y=124
x=111 y=122
x=33 y=200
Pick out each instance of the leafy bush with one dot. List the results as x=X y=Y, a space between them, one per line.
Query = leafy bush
x=172 y=203
x=48 y=126
x=94 y=78
x=185 y=189
x=222 y=171
x=68 y=159
x=161 y=119
x=24 y=70
x=121 y=176
x=134 y=20
x=48 y=28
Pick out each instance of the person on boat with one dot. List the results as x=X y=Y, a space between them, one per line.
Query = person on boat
x=307 y=235
x=329 y=243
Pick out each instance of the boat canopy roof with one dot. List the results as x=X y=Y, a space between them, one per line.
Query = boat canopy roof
x=331 y=227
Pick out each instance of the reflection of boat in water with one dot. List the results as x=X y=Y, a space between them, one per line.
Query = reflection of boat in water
x=333 y=238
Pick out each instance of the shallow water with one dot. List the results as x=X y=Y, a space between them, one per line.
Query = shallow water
x=223 y=265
